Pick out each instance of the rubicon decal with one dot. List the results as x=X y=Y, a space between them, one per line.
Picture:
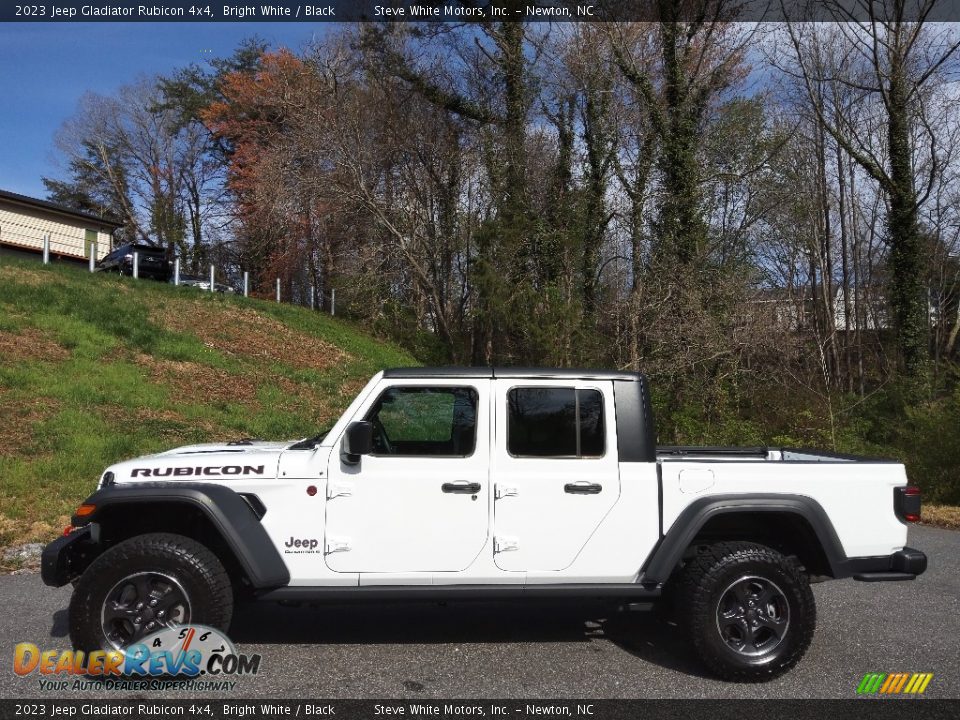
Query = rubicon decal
x=212 y=471
x=894 y=683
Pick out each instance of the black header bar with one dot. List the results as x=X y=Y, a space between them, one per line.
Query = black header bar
x=439 y=709
x=200 y=11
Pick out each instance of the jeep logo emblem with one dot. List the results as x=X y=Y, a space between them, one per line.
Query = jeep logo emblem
x=305 y=545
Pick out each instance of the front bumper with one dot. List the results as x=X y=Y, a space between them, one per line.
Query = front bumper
x=67 y=557
x=904 y=564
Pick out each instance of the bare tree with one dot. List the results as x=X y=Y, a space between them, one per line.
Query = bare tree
x=888 y=58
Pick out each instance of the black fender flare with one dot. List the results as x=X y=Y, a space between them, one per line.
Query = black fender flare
x=669 y=551
x=228 y=512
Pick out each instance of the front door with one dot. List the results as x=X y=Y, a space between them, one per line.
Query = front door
x=555 y=469
x=419 y=501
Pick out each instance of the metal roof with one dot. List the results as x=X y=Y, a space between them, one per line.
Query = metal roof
x=509 y=372
x=60 y=209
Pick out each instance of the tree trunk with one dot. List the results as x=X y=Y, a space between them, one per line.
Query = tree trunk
x=908 y=301
x=858 y=314
x=845 y=269
x=681 y=226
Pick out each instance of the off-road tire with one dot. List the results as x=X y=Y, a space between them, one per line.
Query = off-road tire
x=708 y=578
x=197 y=570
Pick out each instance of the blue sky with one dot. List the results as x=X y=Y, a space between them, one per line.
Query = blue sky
x=46 y=67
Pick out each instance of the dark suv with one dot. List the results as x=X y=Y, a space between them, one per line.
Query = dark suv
x=152 y=262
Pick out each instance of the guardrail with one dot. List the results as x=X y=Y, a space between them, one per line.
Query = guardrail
x=50 y=247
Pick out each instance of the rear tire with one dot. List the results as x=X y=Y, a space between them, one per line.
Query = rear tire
x=143 y=583
x=748 y=609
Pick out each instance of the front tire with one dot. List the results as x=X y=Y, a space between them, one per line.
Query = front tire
x=141 y=584
x=748 y=609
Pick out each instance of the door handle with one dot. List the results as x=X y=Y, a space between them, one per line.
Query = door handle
x=582 y=488
x=461 y=487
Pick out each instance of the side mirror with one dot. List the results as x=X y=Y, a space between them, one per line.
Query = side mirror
x=357 y=441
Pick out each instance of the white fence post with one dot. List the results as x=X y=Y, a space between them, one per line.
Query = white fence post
x=278 y=289
x=211 y=277
x=246 y=283
x=93 y=255
x=136 y=265
x=333 y=301
x=176 y=272
x=46 y=249
x=312 y=293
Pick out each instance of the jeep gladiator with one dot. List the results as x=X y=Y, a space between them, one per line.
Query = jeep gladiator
x=472 y=483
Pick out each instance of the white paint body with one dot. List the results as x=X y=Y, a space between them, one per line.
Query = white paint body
x=386 y=521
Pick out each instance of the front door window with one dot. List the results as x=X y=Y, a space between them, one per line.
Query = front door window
x=425 y=421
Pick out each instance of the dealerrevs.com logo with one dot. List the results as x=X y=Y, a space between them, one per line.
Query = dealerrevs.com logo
x=894 y=683
x=192 y=657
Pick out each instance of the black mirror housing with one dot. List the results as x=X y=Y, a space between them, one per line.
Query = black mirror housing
x=357 y=441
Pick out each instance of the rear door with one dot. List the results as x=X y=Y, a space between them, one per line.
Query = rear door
x=554 y=468
x=419 y=502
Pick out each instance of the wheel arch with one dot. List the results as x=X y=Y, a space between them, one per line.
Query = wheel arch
x=214 y=515
x=792 y=524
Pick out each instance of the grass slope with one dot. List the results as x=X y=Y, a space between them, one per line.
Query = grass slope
x=97 y=369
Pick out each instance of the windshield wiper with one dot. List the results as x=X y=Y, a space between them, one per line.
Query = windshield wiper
x=311 y=442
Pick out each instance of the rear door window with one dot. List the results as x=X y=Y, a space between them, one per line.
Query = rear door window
x=555 y=422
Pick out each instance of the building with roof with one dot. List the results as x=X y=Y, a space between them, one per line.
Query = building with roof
x=74 y=235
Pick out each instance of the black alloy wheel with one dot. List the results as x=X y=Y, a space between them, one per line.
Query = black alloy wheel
x=141 y=604
x=753 y=616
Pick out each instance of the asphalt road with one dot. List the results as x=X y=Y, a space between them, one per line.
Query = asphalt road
x=545 y=651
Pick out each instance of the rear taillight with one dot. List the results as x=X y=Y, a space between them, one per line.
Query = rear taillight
x=906 y=503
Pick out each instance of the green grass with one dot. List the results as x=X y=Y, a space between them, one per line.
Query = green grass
x=97 y=369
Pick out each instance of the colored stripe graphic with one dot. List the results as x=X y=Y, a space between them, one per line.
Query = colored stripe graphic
x=894 y=683
x=870 y=683
x=901 y=682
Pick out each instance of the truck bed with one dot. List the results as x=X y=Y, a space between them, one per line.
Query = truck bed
x=836 y=482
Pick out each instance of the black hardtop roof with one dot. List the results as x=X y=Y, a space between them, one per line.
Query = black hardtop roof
x=510 y=372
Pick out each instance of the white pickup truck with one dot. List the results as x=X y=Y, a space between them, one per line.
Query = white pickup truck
x=450 y=483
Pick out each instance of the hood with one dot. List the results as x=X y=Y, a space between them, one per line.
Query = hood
x=216 y=462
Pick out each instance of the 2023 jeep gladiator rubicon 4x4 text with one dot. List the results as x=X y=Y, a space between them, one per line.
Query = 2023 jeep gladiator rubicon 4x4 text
x=450 y=483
